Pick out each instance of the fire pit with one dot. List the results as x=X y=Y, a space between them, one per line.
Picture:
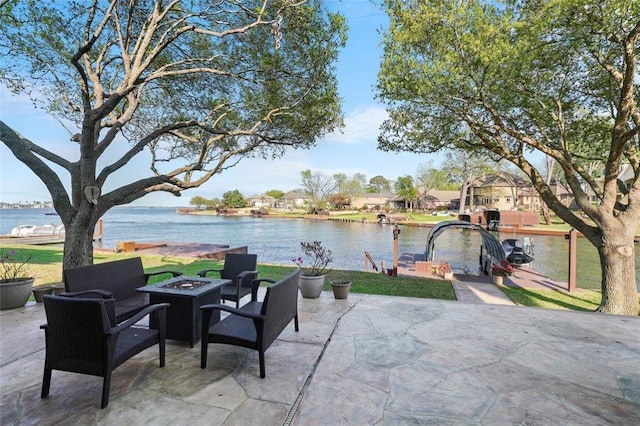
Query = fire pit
x=185 y=284
x=185 y=295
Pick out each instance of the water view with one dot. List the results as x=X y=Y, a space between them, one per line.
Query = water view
x=277 y=240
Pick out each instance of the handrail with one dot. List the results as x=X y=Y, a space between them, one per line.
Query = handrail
x=367 y=257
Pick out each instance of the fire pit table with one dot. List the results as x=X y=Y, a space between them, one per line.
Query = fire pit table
x=186 y=295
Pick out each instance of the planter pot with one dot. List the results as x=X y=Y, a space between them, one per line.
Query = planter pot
x=340 y=289
x=311 y=287
x=57 y=288
x=40 y=291
x=14 y=294
x=498 y=279
x=448 y=276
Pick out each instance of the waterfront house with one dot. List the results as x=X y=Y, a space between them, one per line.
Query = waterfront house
x=372 y=201
x=261 y=200
x=293 y=200
x=502 y=191
x=435 y=199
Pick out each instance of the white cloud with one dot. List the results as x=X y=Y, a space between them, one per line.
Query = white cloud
x=362 y=125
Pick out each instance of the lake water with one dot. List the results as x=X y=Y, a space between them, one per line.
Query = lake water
x=277 y=240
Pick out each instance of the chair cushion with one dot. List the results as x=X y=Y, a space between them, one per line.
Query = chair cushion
x=126 y=308
x=133 y=340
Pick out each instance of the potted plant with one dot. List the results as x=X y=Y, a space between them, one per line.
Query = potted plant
x=500 y=271
x=312 y=276
x=445 y=270
x=15 y=282
x=340 y=287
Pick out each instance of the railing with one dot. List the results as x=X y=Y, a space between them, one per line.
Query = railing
x=368 y=259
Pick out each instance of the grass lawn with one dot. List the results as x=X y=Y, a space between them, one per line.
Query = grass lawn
x=582 y=300
x=46 y=266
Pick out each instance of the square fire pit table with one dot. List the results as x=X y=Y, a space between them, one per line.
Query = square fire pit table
x=186 y=295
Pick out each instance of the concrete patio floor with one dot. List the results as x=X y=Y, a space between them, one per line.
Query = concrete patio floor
x=365 y=360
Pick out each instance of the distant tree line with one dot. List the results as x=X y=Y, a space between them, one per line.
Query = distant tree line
x=456 y=173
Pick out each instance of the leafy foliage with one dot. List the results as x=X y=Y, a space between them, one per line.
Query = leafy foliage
x=508 y=79
x=193 y=86
x=233 y=199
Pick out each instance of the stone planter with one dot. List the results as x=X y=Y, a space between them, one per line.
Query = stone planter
x=340 y=289
x=498 y=279
x=40 y=291
x=14 y=294
x=311 y=286
x=448 y=276
x=57 y=288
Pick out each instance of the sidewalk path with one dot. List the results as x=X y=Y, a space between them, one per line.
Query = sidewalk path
x=475 y=289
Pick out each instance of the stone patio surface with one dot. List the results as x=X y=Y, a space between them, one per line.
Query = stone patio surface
x=365 y=360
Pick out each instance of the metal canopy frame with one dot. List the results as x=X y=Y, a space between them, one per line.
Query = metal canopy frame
x=490 y=244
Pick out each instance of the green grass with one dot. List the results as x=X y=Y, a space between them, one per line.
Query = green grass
x=582 y=300
x=46 y=267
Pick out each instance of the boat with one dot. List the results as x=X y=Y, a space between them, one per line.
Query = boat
x=31 y=230
x=519 y=253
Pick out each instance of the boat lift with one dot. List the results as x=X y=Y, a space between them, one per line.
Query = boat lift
x=491 y=251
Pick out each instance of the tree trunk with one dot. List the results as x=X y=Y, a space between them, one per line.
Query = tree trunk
x=546 y=214
x=463 y=196
x=78 y=242
x=617 y=262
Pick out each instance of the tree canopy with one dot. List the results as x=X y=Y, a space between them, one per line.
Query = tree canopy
x=509 y=79
x=404 y=187
x=192 y=85
x=233 y=199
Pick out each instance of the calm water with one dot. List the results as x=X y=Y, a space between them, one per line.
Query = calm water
x=278 y=240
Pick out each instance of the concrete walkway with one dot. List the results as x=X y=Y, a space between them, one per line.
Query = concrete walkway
x=364 y=360
x=474 y=289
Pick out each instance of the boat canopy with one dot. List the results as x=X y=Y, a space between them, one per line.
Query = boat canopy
x=491 y=245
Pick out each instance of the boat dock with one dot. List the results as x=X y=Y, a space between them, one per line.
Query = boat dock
x=36 y=240
x=198 y=250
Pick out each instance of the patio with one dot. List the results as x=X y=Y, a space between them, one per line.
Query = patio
x=364 y=360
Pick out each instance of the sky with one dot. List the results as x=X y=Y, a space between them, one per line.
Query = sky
x=349 y=151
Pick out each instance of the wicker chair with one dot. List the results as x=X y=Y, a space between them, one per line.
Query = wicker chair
x=80 y=338
x=118 y=279
x=255 y=325
x=241 y=269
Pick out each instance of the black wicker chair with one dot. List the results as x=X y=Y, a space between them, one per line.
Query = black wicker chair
x=241 y=269
x=80 y=338
x=118 y=279
x=255 y=325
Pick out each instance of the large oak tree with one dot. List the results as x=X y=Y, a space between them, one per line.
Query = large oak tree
x=510 y=78
x=192 y=85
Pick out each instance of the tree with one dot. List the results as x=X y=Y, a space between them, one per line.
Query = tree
x=512 y=78
x=351 y=186
x=275 y=193
x=463 y=167
x=339 y=201
x=233 y=199
x=192 y=86
x=428 y=178
x=213 y=203
x=198 y=202
x=405 y=188
x=317 y=185
x=340 y=180
x=378 y=184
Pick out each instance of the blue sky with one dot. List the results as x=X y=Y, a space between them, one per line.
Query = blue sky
x=351 y=151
